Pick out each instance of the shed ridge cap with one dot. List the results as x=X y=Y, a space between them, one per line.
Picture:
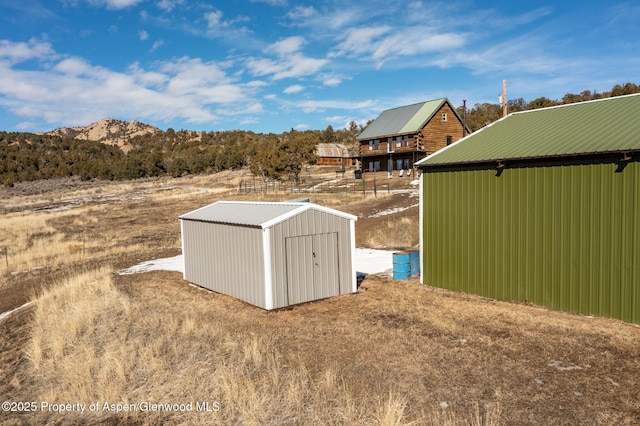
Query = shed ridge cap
x=417 y=103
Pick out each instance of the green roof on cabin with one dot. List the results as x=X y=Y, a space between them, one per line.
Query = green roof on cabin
x=587 y=128
x=402 y=120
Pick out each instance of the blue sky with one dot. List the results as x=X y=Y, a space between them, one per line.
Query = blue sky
x=274 y=65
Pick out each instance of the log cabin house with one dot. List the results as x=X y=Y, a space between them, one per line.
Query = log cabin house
x=335 y=154
x=400 y=137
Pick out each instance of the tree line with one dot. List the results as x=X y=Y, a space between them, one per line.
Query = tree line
x=29 y=157
x=486 y=113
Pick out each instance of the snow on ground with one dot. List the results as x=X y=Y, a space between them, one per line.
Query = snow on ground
x=367 y=261
x=6 y=314
x=392 y=211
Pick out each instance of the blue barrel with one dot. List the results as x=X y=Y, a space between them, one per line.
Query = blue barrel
x=414 y=260
x=401 y=265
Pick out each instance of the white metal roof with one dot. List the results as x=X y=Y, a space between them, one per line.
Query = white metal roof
x=255 y=214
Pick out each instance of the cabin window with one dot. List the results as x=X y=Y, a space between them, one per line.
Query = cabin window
x=389 y=144
x=449 y=140
x=370 y=145
x=444 y=116
x=376 y=144
x=405 y=140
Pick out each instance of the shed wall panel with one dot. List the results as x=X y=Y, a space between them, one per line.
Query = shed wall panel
x=227 y=259
x=562 y=236
x=310 y=223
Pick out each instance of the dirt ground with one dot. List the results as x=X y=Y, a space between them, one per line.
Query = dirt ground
x=469 y=360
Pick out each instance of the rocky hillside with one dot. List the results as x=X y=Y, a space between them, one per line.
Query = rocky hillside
x=109 y=131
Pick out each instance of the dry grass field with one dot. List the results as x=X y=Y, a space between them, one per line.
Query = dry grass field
x=150 y=348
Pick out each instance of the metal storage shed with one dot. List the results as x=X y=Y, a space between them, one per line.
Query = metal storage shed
x=540 y=206
x=271 y=255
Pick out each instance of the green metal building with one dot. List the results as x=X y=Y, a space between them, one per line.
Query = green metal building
x=541 y=206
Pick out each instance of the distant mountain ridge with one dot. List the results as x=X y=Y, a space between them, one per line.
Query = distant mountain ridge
x=108 y=131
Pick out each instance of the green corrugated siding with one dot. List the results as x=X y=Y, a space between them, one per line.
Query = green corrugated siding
x=566 y=237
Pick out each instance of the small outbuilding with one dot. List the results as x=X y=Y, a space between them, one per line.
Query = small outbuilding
x=541 y=206
x=270 y=254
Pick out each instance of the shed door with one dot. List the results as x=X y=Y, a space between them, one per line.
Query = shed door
x=312 y=267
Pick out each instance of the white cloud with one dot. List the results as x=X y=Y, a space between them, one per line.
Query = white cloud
x=380 y=44
x=143 y=35
x=526 y=54
x=271 y=2
x=301 y=12
x=214 y=20
x=331 y=80
x=287 y=46
x=291 y=63
x=19 y=52
x=358 y=41
x=413 y=41
x=290 y=67
x=315 y=106
x=115 y=4
x=168 y=5
x=296 y=88
x=73 y=91
x=156 y=45
x=73 y=66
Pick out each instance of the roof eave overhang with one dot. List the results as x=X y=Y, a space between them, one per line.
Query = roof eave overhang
x=389 y=135
x=624 y=155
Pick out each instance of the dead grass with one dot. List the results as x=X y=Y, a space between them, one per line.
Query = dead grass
x=103 y=346
x=394 y=353
x=391 y=232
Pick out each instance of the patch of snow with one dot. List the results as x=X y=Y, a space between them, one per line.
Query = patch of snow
x=367 y=261
x=558 y=365
x=175 y=263
x=6 y=314
x=610 y=380
x=392 y=211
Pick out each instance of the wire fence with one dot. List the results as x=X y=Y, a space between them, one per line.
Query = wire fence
x=314 y=185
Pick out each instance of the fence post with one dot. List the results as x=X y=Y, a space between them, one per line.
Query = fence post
x=6 y=258
x=375 y=188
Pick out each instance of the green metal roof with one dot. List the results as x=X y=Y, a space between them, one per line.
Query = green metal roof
x=402 y=120
x=587 y=128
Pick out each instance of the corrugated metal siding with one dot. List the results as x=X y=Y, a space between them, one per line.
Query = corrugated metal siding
x=308 y=223
x=210 y=249
x=566 y=237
